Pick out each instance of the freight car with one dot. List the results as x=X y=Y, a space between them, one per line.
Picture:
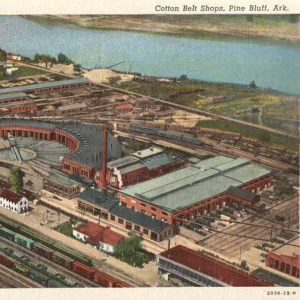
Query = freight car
x=73 y=260
x=24 y=241
x=43 y=279
x=165 y=133
x=83 y=270
x=25 y=231
x=6 y=261
x=42 y=250
x=7 y=233
x=62 y=260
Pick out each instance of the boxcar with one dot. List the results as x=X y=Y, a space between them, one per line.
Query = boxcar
x=38 y=277
x=24 y=241
x=62 y=260
x=55 y=284
x=83 y=270
x=101 y=279
x=6 y=261
x=42 y=250
x=3 y=247
x=7 y=233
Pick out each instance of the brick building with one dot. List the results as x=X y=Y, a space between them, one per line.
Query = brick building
x=106 y=206
x=12 y=98
x=140 y=166
x=285 y=258
x=61 y=185
x=197 y=189
x=21 y=108
x=124 y=108
x=70 y=109
x=47 y=86
x=83 y=141
x=201 y=270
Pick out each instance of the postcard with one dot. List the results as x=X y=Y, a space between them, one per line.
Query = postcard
x=149 y=150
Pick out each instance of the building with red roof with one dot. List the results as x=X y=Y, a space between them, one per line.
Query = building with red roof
x=13 y=201
x=203 y=270
x=285 y=258
x=102 y=237
x=124 y=108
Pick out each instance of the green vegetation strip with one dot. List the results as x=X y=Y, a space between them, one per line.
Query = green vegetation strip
x=130 y=251
x=254 y=133
x=66 y=228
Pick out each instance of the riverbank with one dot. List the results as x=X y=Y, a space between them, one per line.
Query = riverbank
x=259 y=28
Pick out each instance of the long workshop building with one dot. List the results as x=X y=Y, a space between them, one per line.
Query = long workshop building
x=105 y=205
x=202 y=270
x=140 y=166
x=197 y=189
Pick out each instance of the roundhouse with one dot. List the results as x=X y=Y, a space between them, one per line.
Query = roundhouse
x=84 y=142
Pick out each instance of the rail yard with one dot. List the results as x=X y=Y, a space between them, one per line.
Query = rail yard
x=140 y=166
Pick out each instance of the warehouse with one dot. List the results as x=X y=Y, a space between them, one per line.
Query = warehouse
x=140 y=166
x=61 y=185
x=28 y=107
x=285 y=258
x=11 y=98
x=203 y=270
x=106 y=206
x=197 y=189
x=70 y=109
x=83 y=141
x=47 y=86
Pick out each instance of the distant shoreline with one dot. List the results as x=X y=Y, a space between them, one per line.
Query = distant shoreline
x=208 y=32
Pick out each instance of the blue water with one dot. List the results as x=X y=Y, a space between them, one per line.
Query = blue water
x=275 y=66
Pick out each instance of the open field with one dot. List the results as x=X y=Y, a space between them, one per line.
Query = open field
x=22 y=72
x=251 y=133
x=260 y=106
x=259 y=27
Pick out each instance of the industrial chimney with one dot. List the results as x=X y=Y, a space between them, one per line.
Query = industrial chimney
x=103 y=159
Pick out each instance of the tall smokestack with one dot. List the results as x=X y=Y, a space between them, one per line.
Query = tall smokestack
x=103 y=159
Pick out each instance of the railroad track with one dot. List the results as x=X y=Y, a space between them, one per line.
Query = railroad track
x=232 y=245
x=181 y=107
x=101 y=266
x=225 y=148
x=13 y=279
x=59 y=268
x=261 y=159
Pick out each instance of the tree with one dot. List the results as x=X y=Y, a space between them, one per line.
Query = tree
x=15 y=178
x=63 y=59
x=253 y=84
x=77 y=68
x=129 y=250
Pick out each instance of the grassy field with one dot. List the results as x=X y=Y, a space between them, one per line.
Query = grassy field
x=272 y=28
x=22 y=72
x=66 y=228
x=259 y=106
x=251 y=133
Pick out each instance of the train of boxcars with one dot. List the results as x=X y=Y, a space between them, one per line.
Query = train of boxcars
x=170 y=134
x=56 y=252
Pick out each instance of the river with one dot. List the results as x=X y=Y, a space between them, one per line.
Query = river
x=275 y=66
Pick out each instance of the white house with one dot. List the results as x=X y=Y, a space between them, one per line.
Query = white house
x=13 y=201
x=102 y=237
